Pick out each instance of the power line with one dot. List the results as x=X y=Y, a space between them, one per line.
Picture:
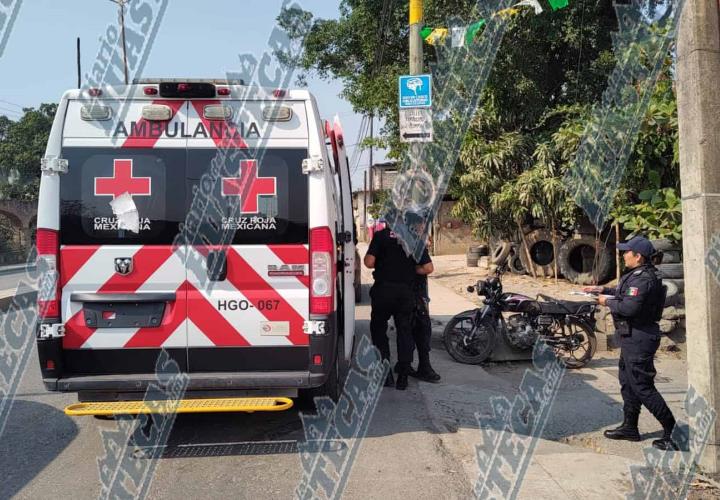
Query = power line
x=12 y=111
x=357 y=153
x=11 y=103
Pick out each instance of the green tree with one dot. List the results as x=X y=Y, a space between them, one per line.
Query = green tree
x=551 y=69
x=22 y=146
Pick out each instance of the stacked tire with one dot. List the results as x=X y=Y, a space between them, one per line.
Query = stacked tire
x=671 y=270
x=473 y=256
x=515 y=263
x=474 y=253
x=584 y=262
x=542 y=253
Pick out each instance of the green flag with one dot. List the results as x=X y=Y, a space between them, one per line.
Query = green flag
x=473 y=30
x=558 y=4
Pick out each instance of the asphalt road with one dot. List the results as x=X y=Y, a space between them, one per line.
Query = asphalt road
x=43 y=451
x=420 y=444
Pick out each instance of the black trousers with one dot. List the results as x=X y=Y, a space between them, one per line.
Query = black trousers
x=637 y=374
x=422 y=329
x=396 y=300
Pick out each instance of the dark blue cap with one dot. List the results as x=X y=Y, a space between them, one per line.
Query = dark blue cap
x=638 y=245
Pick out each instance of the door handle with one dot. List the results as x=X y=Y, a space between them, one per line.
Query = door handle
x=122 y=297
x=217 y=265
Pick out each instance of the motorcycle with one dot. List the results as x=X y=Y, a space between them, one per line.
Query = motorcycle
x=568 y=327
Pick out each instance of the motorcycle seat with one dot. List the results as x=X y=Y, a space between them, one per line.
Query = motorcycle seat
x=556 y=306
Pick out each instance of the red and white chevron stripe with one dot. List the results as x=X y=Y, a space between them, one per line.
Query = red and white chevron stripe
x=274 y=303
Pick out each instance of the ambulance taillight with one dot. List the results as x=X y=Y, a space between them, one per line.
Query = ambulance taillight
x=322 y=271
x=47 y=264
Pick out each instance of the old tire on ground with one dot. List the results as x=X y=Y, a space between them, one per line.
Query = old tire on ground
x=501 y=252
x=671 y=257
x=472 y=260
x=515 y=263
x=664 y=245
x=576 y=259
x=483 y=250
x=672 y=271
x=679 y=283
x=672 y=296
x=542 y=253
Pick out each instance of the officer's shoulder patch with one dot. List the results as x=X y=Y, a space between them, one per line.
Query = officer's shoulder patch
x=632 y=291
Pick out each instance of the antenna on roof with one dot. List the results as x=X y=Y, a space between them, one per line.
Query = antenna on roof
x=79 y=72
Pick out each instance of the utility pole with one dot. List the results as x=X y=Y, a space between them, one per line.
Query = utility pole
x=365 y=201
x=121 y=4
x=372 y=170
x=698 y=71
x=416 y=43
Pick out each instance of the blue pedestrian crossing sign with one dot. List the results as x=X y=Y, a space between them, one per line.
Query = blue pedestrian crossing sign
x=415 y=91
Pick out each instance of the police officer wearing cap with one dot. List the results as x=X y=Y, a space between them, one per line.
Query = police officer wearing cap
x=392 y=295
x=636 y=306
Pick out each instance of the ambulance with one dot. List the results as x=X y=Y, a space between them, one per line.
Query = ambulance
x=205 y=219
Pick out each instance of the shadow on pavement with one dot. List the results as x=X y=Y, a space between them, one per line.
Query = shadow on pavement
x=34 y=436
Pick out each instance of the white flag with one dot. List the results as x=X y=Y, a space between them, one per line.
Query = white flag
x=458 y=36
x=530 y=3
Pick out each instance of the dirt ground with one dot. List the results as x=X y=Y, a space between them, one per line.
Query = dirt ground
x=452 y=271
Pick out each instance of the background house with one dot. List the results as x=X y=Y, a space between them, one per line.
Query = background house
x=450 y=234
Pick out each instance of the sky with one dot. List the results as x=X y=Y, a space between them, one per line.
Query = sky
x=195 y=40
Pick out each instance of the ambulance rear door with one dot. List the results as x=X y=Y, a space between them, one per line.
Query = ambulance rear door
x=248 y=263
x=123 y=291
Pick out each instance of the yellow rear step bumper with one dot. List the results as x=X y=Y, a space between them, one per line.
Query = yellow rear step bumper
x=218 y=405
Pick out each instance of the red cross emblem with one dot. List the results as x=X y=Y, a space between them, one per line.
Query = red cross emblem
x=122 y=181
x=249 y=186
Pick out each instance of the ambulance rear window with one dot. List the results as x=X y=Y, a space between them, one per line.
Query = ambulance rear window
x=262 y=198
x=258 y=199
x=154 y=178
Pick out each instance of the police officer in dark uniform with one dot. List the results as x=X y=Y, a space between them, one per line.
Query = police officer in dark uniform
x=636 y=306
x=392 y=295
x=422 y=326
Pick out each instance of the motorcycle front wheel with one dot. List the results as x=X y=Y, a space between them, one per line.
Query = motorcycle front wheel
x=467 y=342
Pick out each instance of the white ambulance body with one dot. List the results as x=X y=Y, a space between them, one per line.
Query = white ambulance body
x=201 y=218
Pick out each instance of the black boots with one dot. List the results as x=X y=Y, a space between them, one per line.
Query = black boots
x=666 y=443
x=628 y=431
x=402 y=382
x=389 y=381
x=402 y=370
x=410 y=370
x=426 y=373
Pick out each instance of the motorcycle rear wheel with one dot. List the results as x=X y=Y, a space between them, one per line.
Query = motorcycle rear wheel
x=581 y=338
x=469 y=343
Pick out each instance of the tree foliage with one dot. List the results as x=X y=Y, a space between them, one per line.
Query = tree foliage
x=22 y=146
x=549 y=73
